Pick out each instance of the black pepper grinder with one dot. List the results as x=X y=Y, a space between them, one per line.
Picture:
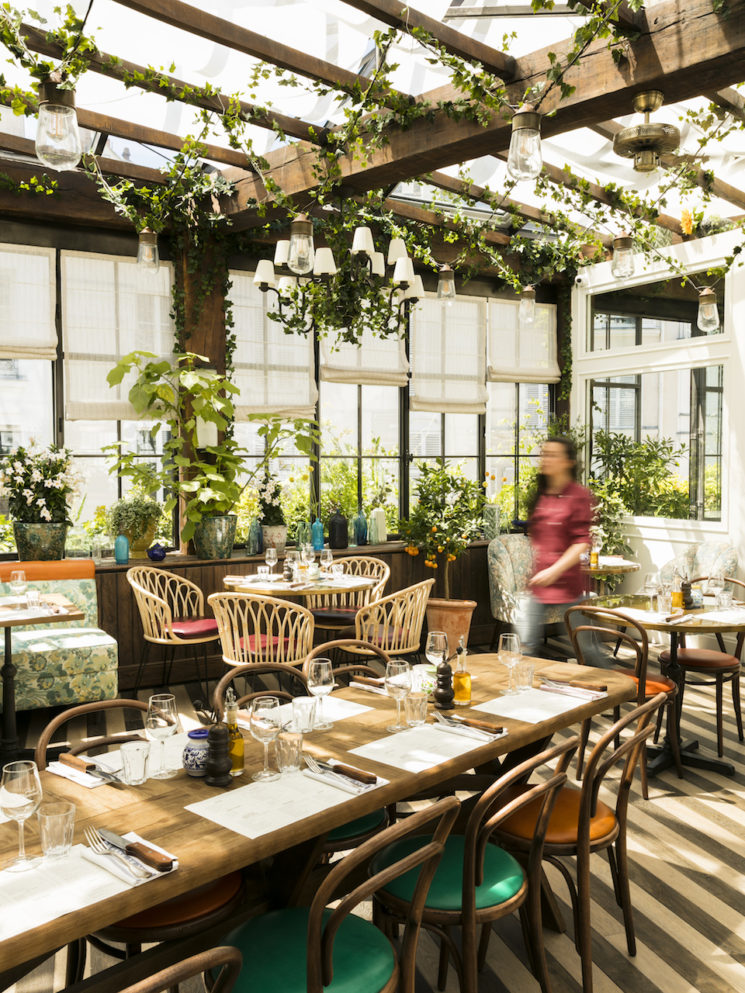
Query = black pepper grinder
x=444 y=690
x=218 y=757
x=685 y=589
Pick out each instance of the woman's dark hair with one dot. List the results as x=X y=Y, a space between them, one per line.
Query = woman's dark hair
x=541 y=483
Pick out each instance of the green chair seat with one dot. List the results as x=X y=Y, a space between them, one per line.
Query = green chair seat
x=274 y=954
x=360 y=826
x=503 y=875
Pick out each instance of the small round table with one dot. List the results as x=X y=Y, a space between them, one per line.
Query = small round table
x=611 y=565
x=280 y=588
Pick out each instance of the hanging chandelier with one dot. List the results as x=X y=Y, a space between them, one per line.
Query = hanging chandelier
x=645 y=143
x=315 y=291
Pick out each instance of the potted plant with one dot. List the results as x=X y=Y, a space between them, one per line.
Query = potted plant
x=136 y=517
x=207 y=475
x=38 y=484
x=271 y=515
x=446 y=517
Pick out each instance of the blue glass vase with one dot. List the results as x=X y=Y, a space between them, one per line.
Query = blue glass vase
x=121 y=550
x=316 y=535
x=255 y=538
x=359 y=528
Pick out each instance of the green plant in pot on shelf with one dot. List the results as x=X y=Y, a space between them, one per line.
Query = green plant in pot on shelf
x=203 y=466
x=445 y=519
x=38 y=484
x=271 y=515
x=137 y=517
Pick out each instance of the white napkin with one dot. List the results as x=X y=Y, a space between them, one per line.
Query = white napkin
x=115 y=867
x=578 y=691
x=468 y=732
x=369 y=689
x=340 y=784
x=76 y=775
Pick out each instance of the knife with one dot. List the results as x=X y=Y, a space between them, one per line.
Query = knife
x=350 y=771
x=150 y=856
x=86 y=765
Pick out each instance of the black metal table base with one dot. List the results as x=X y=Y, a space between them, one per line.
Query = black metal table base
x=661 y=758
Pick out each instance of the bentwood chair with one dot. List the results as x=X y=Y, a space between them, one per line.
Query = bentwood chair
x=393 y=623
x=628 y=633
x=261 y=629
x=226 y=962
x=304 y=949
x=172 y=614
x=172 y=920
x=581 y=825
x=335 y=611
x=713 y=668
x=477 y=882
x=282 y=681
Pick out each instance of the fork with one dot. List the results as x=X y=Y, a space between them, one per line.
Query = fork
x=329 y=774
x=99 y=846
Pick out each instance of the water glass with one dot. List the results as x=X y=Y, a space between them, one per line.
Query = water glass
x=724 y=600
x=264 y=726
x=134 y=762
x=398 y=686
x=509 y=655
x=304 y=713
x=437 y=647
x=56 y=827
x=33 y=599
x=290 y=749
x=415 y=707
x=17 y=582
x=337 y=570
x=665 y=603
x=320 y=684
x=161 y=722
x=20 y=796
x=524 y=675
x=263 y=571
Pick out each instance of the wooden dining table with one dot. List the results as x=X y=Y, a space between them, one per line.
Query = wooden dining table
x=283 y=589
x=156 y=809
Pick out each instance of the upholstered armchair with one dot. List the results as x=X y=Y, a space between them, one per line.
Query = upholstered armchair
x=510 y=564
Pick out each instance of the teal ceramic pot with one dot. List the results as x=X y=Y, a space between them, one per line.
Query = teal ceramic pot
x=214 y=537
x=39 y=542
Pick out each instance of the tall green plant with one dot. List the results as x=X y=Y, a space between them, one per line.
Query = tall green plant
x=642 y=473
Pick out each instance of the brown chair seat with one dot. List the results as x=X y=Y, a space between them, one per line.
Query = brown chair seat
x=706 y=659
x=564 y=820
x=334 y=615
x=195 y=627
x=188 y=906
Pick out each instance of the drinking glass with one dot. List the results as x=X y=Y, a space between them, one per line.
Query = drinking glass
x=17 y=582
x=271 y=558
x=326 y=558
x=437 y=647
x=264 y=726
x=651 y=587
x=320 y=684
x=20 y=796
x=56 y=827
x=398 y=685
x=337 y=570
x=509 y=655
x=308 y=554
x=160 y=723
x=292 y=557
x=289 y=750
x=715 y=584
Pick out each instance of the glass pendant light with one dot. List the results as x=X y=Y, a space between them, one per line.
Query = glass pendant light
x=57 y=136
x=622 y=265
x=446 y=284
x=525 y=160
x=300 y=253
x=148 y=256
x=708 y=315
x=526 y=311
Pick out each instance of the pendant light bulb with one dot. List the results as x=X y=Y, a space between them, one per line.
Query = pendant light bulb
x=148 y=256
x=300 y=254
x=622 y=265
x=525 y=160
x=57 y=136
x=526 y=311
x=708 y=314
x=446 y=285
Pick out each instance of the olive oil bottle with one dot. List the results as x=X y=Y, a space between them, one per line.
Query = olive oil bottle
x=462 y=677
x=235 y=740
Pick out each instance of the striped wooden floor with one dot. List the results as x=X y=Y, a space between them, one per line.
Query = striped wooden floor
x=687 y=852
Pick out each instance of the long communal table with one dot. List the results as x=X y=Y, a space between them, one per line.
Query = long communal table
x=156 y=810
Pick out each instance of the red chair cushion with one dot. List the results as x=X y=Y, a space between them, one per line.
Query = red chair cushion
x=334 y=615
x=562 y=826
x=187 y=907
x=262 y=641
x=654 y=686
x=195 y=627
x=703 y=658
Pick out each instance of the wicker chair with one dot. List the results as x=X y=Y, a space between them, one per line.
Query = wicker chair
x=172 y=614
x=261 y=629
x=393 y=623
x=335 y=611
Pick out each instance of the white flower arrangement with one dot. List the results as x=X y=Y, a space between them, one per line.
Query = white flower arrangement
x=38 y=483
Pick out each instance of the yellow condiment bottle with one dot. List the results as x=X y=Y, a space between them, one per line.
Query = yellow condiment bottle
x=676 y=596
x=461 y=678
x=235 y=738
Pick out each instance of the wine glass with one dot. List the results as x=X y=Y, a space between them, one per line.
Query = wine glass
x=20 y=796
x=327 y=558
x=308 y=554
x=651 y=586
x=509 y=655
x=160 y=723
x=264 y=724
x=320 y=684
x=398 y=686
x=271 y=558
x=17 y=582
x=436 y=649
x=715 y=584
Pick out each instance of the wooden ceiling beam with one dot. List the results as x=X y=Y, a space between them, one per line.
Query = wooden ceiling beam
x=624 y=16
x=169 y=86
x=112 y=167
x=400 y=15
x=730 y=100
x=435 y=220
x=75 y=202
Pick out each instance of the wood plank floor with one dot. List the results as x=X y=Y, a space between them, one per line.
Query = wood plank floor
x=687 y=855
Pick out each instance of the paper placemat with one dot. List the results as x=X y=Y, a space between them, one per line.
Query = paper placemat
x=334 y=709
x=417 y=749
x=731 y=615
x=260 y=808
x=530 y=706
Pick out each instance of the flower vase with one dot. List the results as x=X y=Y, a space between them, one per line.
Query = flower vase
x=275 y=536
x=491 y=520
x=40 y=542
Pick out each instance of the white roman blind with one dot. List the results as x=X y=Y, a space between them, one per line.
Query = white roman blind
x=448 y=356
x=274 y=371
x=521 y=355
x=374 y=362
x=27 y=303
x=110 y=308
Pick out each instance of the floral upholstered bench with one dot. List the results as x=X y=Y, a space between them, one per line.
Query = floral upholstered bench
x=62 y=664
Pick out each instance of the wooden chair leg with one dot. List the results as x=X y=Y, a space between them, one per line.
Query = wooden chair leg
x=483 y=946
x=442 y=967
x=531 y=915
x=584 y=735
x=170 y=655
x=658 y=725
x=718 y=681
x=620 y=865
x=583 y=937
x=736 y=703
x=643 y=771
x=141 y=667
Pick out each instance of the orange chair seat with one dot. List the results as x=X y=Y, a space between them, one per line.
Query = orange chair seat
x=182 y=909
x=706 y=659
x=654 y=686
x=195 y=627
x=562 y=827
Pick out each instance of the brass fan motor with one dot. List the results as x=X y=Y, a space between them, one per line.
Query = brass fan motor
x=645 y=143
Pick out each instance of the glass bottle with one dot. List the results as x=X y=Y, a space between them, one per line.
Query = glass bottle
x=676 y=597
x=316 y=535
x=235 y=738
x=462 y=677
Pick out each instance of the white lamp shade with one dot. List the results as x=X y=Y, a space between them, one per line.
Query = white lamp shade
x=265 y=274
x=363 y=241
x=281 y=252
x=416 y=290
x=403 y=271
x=396 y=250
x=323 y=263
x=378 y=264
x=286 y=285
